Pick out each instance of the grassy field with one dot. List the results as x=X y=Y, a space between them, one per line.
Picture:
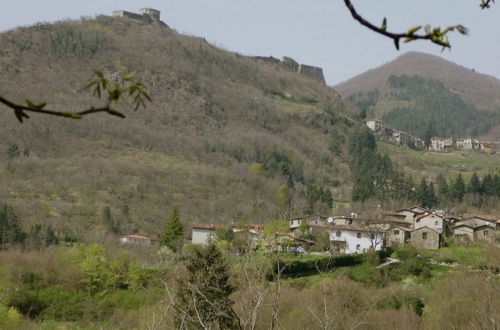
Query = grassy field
x=426 y=164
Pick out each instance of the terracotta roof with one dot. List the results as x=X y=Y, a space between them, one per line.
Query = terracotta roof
x=404 y=229
x=138 y=237
x=422 y=215
x=206 y=226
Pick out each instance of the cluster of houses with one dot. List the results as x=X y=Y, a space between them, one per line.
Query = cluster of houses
x=438 y=144
x=417 y=226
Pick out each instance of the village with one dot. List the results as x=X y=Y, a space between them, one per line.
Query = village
x=438 y=144
x=416 y=226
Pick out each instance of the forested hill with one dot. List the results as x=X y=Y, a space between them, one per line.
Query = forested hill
x=227 y=138
x=425 y=107
x=479 y=89
x=424 y=94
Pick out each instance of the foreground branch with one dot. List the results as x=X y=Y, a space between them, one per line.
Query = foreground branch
x=436 y=35
x=126 y=86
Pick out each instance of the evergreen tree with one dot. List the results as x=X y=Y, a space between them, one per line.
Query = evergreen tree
x=457 y=190
x=108 y=220
x=10 y=231
x=443 y=191
x=174 y=231
x=204 y=297
x=474 y=186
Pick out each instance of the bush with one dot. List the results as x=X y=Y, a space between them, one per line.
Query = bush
x=363 y=273
x=295 y=266
x=9 y=317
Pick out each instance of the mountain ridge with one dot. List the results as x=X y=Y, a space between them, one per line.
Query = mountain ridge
x=480 y=89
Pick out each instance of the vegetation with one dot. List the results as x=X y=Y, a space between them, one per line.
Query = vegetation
x=412 y=106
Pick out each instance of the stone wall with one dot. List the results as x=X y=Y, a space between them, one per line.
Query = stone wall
x=289 y=64
x=312 y=72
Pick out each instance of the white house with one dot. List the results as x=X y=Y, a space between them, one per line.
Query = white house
x=355 y=239
x=430 y=220
x=136 y=239
x=202 y=233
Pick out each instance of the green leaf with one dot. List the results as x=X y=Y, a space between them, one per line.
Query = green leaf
x=414 y=29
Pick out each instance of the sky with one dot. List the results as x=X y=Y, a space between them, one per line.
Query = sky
x=315 y=32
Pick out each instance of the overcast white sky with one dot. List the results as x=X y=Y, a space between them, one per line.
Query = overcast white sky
x=316 y=32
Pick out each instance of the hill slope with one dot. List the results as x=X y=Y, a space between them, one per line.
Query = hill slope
x=481 y=90
x=224 y=131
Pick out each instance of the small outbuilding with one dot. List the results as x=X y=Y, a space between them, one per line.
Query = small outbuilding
x=425 y=238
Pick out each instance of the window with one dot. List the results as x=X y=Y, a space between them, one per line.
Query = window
x=436 y=223
x=485 y=233
x=396 y=232
x=424 y=235
x=358 y=247
x=358 y=235
x=338 y=233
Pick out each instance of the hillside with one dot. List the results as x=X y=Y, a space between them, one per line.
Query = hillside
x=223 y=133
x=424 y=94
x=479 y=89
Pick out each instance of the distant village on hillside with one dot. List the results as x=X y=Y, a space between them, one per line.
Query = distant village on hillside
x=439 y=144
x=415 y=226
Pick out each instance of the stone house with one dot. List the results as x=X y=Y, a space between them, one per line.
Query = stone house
x=425 y=238
x=203 y=233
x=430 y=220
x=398 y=236
x=136 y=239
x=312 y=219
x=474 y=228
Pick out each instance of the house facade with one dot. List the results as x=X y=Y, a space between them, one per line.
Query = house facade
x=313 y=219
x=425 y=238
x=136 y=239
x=430 y=220
x=354 y=239
x=202 y=233
x=398 y=236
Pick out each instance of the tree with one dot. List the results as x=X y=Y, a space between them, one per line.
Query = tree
x=442 y=187
x=204 y=298
x=108 y=220
x=457 y=190
x=474 y=186
x=10 y=231
x=174 y=231
x=283 y=198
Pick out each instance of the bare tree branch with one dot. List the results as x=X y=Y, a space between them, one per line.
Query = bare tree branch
x=436 y=35
x=126 y=86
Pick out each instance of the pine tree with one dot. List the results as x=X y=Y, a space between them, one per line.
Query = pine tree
x=443 y=191
x=174 y=231
x=204 y=297
x=474 y=186
x=10 y=231
x=457 y=190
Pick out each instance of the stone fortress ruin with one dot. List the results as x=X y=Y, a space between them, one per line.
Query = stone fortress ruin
x=148 y=15
x=289 y=64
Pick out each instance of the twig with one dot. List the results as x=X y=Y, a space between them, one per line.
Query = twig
x=436 y=35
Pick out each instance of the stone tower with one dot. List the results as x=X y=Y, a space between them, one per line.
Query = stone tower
x=152 y=13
